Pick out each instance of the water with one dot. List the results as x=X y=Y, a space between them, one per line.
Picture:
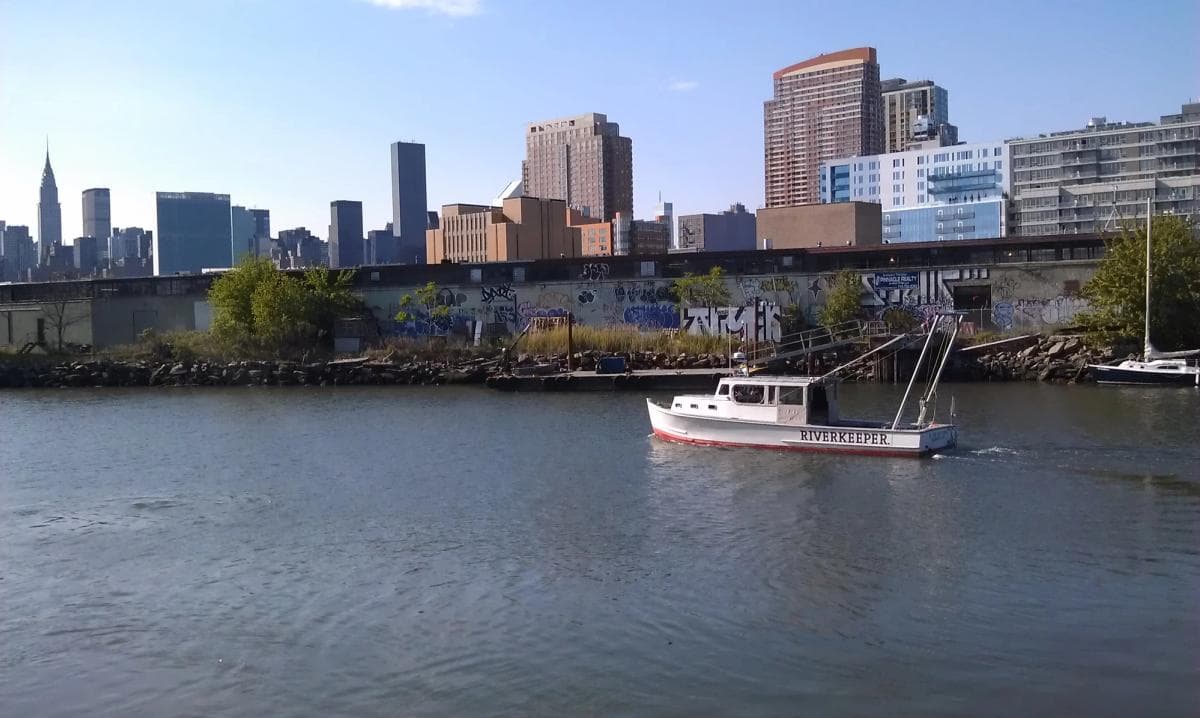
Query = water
x=462 y=552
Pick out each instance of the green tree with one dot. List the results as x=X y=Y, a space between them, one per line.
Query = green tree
x=230 y=297
x=842 y=299
x=703 y=290
x=329 y=295
x=425 y=297
x=1116 y=293
x=258 y=304
x=280 y=305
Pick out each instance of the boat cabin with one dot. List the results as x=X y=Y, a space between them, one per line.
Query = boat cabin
x=792 y=401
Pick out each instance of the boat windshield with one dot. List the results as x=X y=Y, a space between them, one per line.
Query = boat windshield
x=748 y=393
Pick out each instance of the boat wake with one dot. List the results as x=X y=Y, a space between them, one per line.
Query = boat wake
x=996 y=451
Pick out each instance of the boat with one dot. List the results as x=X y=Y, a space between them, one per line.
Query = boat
x=1155 y=367
x=790 y=413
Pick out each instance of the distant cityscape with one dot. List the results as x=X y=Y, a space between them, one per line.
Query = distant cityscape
x=849 y=160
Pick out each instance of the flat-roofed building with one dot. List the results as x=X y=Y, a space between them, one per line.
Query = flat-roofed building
x=522 y=228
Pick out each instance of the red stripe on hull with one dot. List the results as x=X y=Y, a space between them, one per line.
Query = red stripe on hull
x=914 y=453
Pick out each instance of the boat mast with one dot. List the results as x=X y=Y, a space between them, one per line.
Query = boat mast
x=1148 y=348
x=929 y=395
x=916 y=369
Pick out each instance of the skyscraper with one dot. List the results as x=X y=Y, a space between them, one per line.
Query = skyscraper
x=903 y=103
x=49 y=212
x=193 y=233
x=346 y=234
x=665 y=212
x=243 y=230
x=16 y=248
x=97 y=216
x=823 y=109
x=409 y=204
x=583 y=160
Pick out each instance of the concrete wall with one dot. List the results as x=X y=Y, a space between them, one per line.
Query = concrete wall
x=1027 y=297
x=1019 y=297
x=19 y=323
x=121 y=320
x=813 y=225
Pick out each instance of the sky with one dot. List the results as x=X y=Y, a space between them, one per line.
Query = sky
x=291 y=104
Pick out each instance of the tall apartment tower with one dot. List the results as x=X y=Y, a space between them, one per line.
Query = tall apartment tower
x=903 y=103
x=346 y=234
x=49 y=213
x=97 y=215
x=823 y=109
x=582 y=160
x=410 y=206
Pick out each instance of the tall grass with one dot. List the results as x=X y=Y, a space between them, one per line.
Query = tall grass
x=617 y=340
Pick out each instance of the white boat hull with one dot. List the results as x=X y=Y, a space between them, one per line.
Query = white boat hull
x=841 y=439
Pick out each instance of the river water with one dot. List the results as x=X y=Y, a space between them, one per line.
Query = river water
x=444 y=551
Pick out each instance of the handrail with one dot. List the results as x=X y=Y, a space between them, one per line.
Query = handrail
x=810 y=340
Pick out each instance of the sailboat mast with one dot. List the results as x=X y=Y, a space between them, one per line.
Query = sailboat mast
x=1146 y=334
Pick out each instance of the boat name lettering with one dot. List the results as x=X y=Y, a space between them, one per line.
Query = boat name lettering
x=872 y=438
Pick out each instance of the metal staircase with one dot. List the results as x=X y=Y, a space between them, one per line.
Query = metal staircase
x=815 y=340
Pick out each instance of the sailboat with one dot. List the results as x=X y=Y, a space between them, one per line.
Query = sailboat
x=1155 y=367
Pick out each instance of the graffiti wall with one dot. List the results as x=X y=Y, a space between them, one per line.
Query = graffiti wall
x=1006 y=298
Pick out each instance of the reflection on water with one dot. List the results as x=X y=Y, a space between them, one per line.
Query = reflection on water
x=441 y=551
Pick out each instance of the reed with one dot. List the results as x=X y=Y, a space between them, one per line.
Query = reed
x=618 y=340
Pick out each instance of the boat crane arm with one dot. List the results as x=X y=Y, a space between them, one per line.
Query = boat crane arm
x=852 y=362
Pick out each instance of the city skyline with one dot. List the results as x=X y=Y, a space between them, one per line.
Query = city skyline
x=188 y=121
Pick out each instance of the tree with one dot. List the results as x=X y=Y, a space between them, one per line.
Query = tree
x=704 y=290
x=329 y=296
x=280 y=307
x=1116 y=293
x=842 y=299
x=60 y=318
x=425 y=297
x=231 y=297
x=256 y=301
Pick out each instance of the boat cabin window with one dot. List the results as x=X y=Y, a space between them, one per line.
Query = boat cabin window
x=723 y=390
x=748 y=393
x=791 y=395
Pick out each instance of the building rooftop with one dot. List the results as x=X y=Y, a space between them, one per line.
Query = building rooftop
x=899 y=83
x=857 y=54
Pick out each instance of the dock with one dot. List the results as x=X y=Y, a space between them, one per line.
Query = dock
x=642 y=380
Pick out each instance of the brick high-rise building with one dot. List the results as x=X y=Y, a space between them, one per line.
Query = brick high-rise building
x=823 y=109
x=582 y=160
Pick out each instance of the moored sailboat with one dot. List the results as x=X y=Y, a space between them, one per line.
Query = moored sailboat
x=1155 y=367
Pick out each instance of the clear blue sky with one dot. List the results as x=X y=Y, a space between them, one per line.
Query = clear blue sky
x=289 y=104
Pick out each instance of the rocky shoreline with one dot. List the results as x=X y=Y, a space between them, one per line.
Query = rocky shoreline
x=344 y=372
x=1058 y=359
x=1049 y=359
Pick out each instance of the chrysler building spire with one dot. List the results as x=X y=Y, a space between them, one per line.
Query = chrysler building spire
x=49 y=211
